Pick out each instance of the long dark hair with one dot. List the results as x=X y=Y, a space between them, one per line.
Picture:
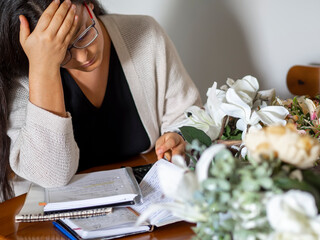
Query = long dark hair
x=14 y=64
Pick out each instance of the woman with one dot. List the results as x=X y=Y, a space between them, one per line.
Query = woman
x=107 y=86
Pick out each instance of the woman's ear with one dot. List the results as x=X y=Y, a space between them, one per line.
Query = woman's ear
x=91 y=6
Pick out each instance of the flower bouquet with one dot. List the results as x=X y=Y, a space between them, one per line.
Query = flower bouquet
x=231 y=111
x=272 y=193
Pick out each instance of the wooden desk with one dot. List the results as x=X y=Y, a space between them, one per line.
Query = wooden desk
x=45 y=230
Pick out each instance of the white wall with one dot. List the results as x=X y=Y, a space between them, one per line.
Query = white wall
x=217 y=39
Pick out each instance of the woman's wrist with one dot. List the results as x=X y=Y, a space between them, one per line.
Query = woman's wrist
x=46 y=91
x=177 y=132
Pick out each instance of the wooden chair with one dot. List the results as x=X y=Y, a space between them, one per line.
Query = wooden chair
x=304 y=80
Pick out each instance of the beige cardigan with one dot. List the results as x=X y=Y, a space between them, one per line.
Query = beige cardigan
x=43 y=149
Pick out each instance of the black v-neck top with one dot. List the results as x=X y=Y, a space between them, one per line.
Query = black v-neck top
x=109 y=133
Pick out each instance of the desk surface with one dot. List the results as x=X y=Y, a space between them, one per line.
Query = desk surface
x=45 y=230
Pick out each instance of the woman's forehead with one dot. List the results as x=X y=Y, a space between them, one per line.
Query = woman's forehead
x=80 y=9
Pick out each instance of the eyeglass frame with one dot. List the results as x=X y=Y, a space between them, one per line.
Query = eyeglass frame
x=81 y=35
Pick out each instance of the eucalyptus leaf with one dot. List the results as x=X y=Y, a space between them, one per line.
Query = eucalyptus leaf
x=190 y=133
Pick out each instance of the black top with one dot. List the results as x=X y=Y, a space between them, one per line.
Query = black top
x=109 y=133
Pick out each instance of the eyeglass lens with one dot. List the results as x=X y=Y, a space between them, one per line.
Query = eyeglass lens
x=86 y=38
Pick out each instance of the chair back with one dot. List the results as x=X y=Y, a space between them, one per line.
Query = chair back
x=304 y=80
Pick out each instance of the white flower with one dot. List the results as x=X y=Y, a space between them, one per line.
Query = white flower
x=273 y=114
x=246 y=88
x=267 y=95
x=285 y=143
x=209 y=119
x=200 y=119
x=205 y=161
x=307 y=105
x=241 y=100
x=213 y=105
x=296 y=174
x=293 y=215
x=237 y=108
x=180 y=185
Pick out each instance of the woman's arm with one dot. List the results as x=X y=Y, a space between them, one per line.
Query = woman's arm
x=43 y=149
x=45 y=48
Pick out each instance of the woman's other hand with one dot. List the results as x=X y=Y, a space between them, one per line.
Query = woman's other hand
x=47 y=45
x=170 y=144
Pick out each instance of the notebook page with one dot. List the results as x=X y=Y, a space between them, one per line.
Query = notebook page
x=35 y=196
x=118 y=217
x=120 y=221
x=151 y=192
x=92 y=185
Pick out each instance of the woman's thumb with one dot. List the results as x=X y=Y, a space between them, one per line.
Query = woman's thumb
x=24 y=28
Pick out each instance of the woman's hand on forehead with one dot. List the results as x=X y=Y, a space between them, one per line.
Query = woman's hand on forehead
x=47 y=44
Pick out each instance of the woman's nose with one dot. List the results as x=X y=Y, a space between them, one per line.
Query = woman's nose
x=80 y=55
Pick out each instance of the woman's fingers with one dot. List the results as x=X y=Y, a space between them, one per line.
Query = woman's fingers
x=179 y=149
x=169 y=144
x=24 y=29
x=59 y=17
x=168 y=155
x=67 y=29
x=47 y=15
x=47 y=48
x=163 y=144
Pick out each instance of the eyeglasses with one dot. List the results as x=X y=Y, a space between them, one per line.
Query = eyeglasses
x=83 y=40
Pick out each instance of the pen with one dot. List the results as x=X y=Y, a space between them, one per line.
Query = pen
x=64 y=231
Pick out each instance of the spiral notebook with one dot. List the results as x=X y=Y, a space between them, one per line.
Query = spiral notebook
x=89 y=194
x=32 y=210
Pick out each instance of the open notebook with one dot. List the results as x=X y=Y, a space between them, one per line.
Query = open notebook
x=86 y=195
x=32 y=210
x=121 y=222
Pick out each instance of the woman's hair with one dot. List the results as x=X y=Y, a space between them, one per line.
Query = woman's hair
x=14 y=64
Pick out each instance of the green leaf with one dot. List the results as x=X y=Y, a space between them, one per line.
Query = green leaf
x=286 y=183
x=312 y=177
x=190 y=133
x=231 y=134
x=227 y=131
x=236 y=137
x=194 y=160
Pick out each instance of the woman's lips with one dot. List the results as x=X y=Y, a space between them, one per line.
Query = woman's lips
x=89 y=63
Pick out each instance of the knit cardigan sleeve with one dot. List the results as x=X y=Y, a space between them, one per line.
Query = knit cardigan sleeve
x=43 y=149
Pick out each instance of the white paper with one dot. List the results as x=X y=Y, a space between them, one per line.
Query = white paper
x=96 y=184
x=94 y=190
x=120 y=221
x=152 y=193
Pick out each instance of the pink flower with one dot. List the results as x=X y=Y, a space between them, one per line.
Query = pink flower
x=313 y=115
x=302 y=132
